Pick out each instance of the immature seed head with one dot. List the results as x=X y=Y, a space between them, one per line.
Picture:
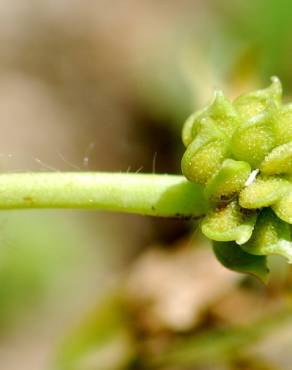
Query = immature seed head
x=241 y=152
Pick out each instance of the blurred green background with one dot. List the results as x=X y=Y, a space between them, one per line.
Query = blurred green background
x=106 y=85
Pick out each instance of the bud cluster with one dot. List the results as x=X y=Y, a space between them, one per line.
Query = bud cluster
x=241 y=153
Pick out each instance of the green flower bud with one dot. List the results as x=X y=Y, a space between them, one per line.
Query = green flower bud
x=271 y=236
x=203 y=158
x=278 y=161
x=283 y=208
x=254 y=138
x=263 y=192
x=229 y=223
x=228 y=180
x=253 y=103
x=283 y=129
x=242 y=153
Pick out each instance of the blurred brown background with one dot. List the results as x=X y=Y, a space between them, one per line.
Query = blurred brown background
x=105 y=86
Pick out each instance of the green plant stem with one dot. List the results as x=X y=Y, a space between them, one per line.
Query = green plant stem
x=147 y=194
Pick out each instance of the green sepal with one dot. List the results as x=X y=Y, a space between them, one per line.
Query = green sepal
x=283 y=208
x=228 y=181
x=254 y=139
x=279 y=161
x=271 y=236
x=231 y=256
x=229 y=223
x=253 y=103
x=263 y=192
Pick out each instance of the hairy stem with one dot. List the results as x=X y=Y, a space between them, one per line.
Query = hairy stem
x=155 y=195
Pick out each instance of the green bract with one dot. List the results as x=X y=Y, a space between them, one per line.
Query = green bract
x=241 y=152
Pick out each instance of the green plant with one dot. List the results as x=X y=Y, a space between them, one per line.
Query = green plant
x=241 y=153
x=237 y=168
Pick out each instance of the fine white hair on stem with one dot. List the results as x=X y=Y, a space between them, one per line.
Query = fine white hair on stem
x=139 y=169
x=45 y=165
x=70 y=164
x=87 y=153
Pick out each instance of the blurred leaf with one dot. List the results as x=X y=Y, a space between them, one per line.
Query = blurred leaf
x=36 y=249
x=219 y=345
x=102 y=341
